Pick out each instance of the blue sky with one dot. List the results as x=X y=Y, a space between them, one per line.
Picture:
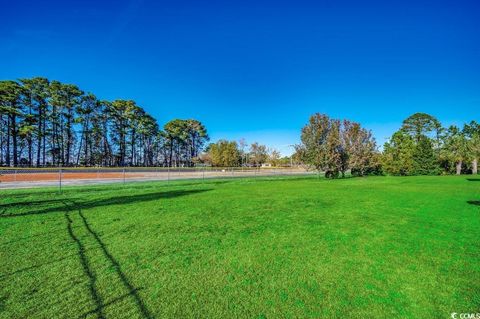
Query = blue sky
x=257 y=69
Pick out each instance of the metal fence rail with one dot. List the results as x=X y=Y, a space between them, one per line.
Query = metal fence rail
x=47 y=177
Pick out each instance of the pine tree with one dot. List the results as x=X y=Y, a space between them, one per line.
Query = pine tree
x=424 y=161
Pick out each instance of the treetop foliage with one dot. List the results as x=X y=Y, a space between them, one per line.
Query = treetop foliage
x=414 y=150
x=49 y=123
x=419 y=124
x=422 y=146
x=336 y=146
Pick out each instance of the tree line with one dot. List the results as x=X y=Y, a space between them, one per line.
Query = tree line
x=422 y=146
x=49 y=123
x=226 y=153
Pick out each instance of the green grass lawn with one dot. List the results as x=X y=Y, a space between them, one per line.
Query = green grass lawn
x=295 y=247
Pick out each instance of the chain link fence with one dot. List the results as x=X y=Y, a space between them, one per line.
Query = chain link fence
x=61 y=177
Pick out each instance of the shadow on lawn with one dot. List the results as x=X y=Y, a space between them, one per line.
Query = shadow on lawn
x=113 y=187
x=29 y=203
x=35 y=238
x=118 y=200
x=20 y=270
x=90 y=273
x=474 y=202
x=72 y=208
x=111 y=302
x=87 y=269
x=473 y=179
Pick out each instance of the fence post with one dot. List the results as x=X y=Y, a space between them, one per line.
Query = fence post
x=60 y=179
x=168 y=174
x=124 y=176
x=203 y=176
x=15 y=175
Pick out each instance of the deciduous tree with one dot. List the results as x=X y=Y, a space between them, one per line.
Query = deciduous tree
x=258 y=154
x=224 y=153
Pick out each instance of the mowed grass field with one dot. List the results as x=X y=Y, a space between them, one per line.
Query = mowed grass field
x=242 y=248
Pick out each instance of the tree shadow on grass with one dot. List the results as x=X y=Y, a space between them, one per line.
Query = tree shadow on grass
x=181 y=183
x=87 y=269
x=111 y=302
x=474 y=202
x=36 y=237
x=473 y=179
x=70 y=208
x=34 y=267
x=54 y=192
x=90 y=273
x=118 y=200
x=29 y=203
